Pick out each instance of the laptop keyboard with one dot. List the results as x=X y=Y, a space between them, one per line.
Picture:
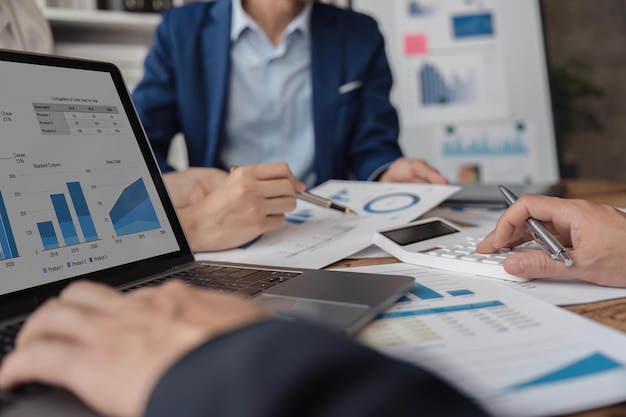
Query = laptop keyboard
x=248 y=282
x=7 y=338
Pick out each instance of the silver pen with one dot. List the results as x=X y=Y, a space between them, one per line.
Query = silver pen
x=542 y=236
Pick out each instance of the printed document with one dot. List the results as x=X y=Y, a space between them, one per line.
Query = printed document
x=314 y=237
x=517 y=356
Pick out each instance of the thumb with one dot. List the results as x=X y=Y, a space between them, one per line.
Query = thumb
x=535 y=264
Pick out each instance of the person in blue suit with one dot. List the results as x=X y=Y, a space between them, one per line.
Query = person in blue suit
x=260 y=81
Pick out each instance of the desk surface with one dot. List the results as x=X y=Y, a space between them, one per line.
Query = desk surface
x=611 y=313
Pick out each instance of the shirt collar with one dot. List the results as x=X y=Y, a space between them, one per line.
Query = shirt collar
x=241 y=21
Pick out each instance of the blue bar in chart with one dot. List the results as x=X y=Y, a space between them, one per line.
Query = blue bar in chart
x=486 y=145
x=458 y=293
x=133 y=211
x=424 y=292
x=62 y=210
x=84 y=216
x=473 y=25
x=595 y=363
x=441 y=310
x=437 y=90
x=299 y=217
x=48 y=235
x=417 y=9
x=7 y=240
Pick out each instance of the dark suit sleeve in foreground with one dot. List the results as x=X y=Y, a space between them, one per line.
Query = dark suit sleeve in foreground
x=276 y=369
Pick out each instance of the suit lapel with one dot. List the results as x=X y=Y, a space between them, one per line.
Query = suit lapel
x=326 y=70
x=216 y=64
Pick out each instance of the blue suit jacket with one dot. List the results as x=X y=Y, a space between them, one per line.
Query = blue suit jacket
x=278 y=369
x=185 y=88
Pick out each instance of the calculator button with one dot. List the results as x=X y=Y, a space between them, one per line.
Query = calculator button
x=451 y=255
x=472 y=258
x=493 y=261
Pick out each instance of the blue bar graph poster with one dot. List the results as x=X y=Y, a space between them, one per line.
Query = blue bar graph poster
x=438 y=89
x=133 y=211
x=7 y=240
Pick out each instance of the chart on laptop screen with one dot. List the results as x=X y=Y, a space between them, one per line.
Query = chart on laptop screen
x=76 y=195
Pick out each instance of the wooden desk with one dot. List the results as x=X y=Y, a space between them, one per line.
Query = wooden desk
x=611 y=313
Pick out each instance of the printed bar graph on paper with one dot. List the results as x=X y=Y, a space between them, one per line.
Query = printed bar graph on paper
x=82 y=211
x=473 y=25
x=442 y=310
x=62 y=210
x=133 y=211
x=458 y=293
x=48 y=235
x=7 y=240
x=424 y=292
x=417 y=9
x=436 y=90
x=595 y=363
x=486 y=145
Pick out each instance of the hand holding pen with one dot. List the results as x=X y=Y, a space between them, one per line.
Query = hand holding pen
x=596 y=234
x=542 y=236
x=317 y=200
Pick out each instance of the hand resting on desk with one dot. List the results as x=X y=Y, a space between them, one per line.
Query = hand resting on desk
x=596 y=233
x=412 y=170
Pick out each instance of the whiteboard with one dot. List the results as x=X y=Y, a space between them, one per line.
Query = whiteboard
x=471 y=86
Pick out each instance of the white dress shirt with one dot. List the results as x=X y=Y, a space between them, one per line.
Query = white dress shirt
x=269 y=113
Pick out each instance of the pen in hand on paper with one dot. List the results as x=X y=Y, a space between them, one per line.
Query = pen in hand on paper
x=542 y=236
x=324 y=202
x=316 y=199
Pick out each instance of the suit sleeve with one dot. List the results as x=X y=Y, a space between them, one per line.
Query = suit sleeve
x=155 y=95
x=374 y=140
x=275 y=369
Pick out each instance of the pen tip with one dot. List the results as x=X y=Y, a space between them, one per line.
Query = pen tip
x=351 y=212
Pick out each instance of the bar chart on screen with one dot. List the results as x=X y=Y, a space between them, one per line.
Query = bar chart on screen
x=65 y=220
x=7 y=240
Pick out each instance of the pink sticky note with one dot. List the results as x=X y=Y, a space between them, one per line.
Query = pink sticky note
x=415 y=44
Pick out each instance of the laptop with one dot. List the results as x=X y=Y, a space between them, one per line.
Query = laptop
x=82 y=197
x=489 y=195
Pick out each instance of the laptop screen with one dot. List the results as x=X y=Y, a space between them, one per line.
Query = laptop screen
x=80 y=192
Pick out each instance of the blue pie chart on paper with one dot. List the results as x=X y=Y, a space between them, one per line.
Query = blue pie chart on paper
x=391 y=203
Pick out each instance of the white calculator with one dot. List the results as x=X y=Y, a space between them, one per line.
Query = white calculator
x=437 y=243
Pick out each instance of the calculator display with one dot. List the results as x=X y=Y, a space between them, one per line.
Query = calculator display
x=419 y=232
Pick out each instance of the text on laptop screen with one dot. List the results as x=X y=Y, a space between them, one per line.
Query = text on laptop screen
x=76 y=195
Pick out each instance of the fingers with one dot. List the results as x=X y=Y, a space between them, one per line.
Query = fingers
x=274 y=171
x=412 y=170
x=488 y=245
x=536 y=264
x=427 y=173
x=46 y=360
x=59 y=320
x=92 y=295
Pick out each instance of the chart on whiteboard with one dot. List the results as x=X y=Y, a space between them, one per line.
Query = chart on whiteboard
x=314 y=237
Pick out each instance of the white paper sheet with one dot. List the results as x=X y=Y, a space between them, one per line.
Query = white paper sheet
x=515 y=355
x=314 y=237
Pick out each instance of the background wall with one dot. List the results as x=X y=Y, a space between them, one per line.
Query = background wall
x=594 y=34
